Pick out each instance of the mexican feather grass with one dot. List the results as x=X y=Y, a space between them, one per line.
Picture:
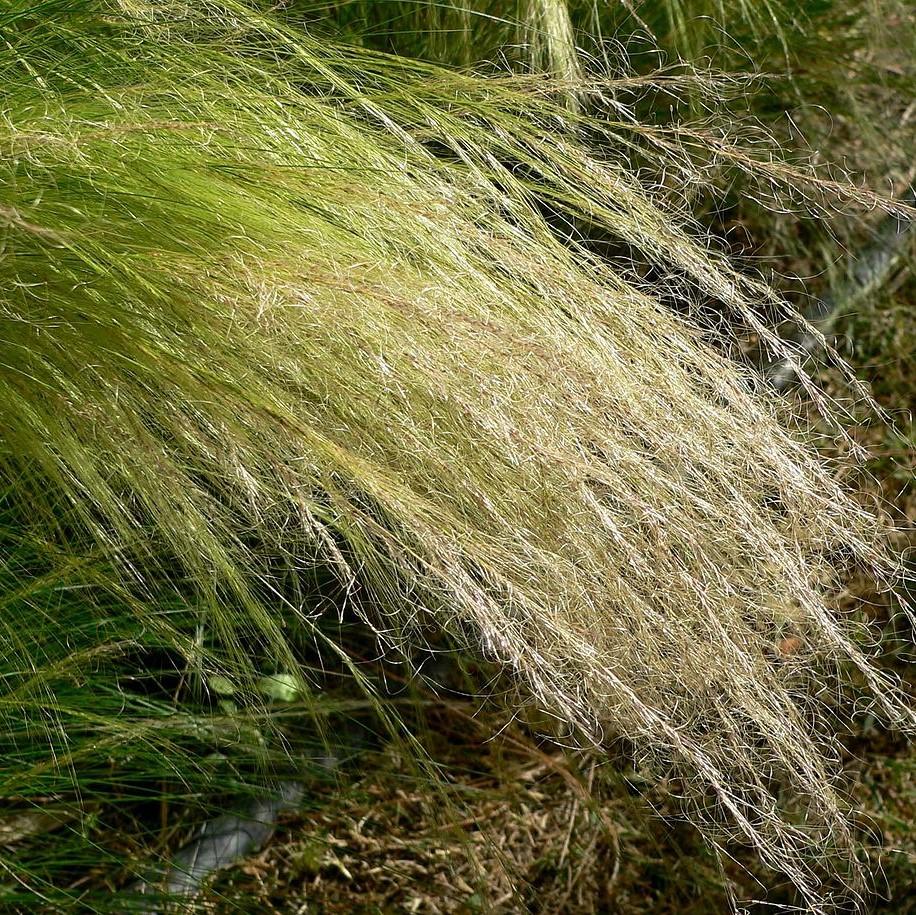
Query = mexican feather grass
x=275 y=307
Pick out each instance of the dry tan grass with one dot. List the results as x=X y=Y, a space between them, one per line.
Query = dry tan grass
x=274 y=305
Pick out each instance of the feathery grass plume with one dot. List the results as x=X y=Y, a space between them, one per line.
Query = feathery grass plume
x=275 y=307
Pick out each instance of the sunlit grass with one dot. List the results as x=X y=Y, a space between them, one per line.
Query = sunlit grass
x=294 y=330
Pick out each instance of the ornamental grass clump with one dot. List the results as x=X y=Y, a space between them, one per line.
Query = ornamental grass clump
x=279 y=312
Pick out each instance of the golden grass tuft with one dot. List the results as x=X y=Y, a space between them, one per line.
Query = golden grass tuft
x=272 y=304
